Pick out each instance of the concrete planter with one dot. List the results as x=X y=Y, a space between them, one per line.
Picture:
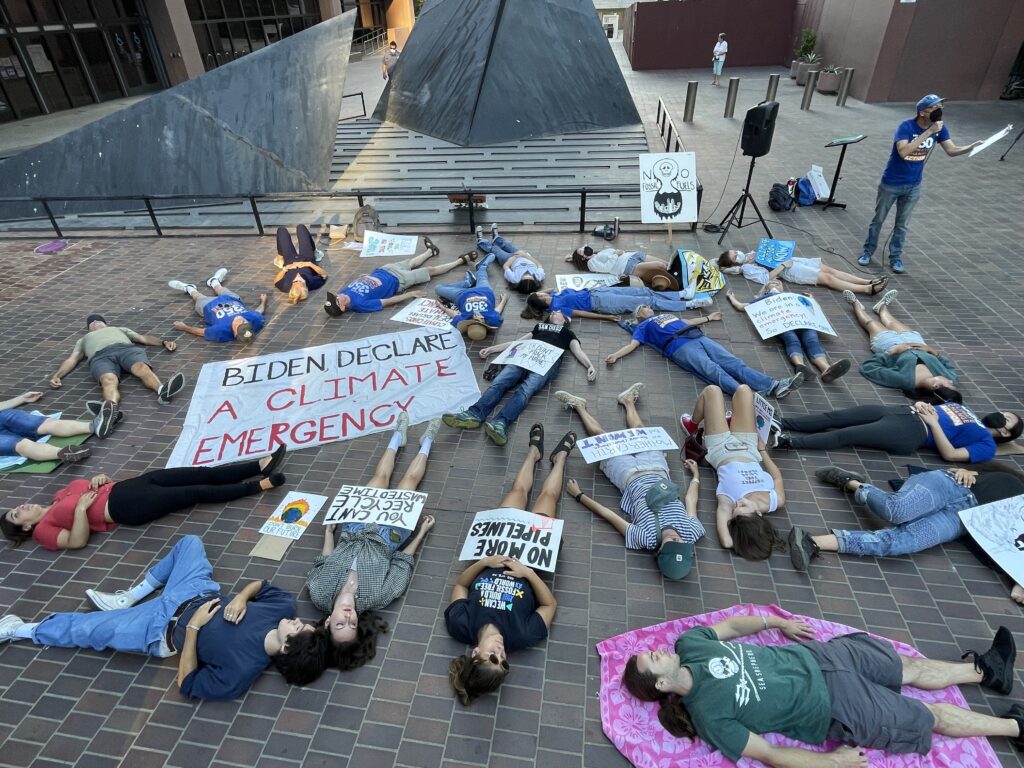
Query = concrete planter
x=802 y=69
x=828 y=82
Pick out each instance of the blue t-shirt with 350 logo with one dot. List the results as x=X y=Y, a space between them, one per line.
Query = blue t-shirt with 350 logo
x=221 y=312
x=474 y=300
x=907 y=170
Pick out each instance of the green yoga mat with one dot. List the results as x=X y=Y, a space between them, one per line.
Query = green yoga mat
x=45 y=467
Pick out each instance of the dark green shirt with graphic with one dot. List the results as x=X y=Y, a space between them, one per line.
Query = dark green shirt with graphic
x=739 y=689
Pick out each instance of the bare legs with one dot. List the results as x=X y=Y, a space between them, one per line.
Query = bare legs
x=845 y=281
x=710 y=409
x=108 y=384
x=418 y=260
x=547 y=501
x=145 y=374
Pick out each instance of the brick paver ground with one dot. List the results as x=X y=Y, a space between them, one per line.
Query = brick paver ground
x=84 y=708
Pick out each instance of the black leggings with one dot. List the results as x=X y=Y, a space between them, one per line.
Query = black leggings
x=889 y=428
x=286 y=248
x=149 y=497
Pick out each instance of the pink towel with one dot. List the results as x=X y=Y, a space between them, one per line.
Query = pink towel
x=634 y=729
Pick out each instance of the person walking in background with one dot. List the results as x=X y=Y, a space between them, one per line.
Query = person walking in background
x=391 y=55
x=718 y=58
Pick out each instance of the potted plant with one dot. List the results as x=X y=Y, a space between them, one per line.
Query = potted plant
x=808 y=39
x=828 y=80
x=807 y=63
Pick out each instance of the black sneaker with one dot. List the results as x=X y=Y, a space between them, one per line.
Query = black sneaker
x=802 y=549
x=167 y=391
x=104 y=422
x=783 y=441
x=1016 y=712
x=838 y=476
x=996 y=664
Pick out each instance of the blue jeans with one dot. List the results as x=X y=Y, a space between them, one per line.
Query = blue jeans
x=499 y=247
x=183 y=574
x=800 y=341
x=923 y=515
x=710 y=361
x=618 y=301
x=529 y=384
x=905 y=196
x=450 y=291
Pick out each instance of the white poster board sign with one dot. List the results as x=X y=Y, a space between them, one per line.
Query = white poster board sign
x=999 y=530
x=817 y=178
x=623 y=442
x=535 y=356
x=293 y=515
x=668 y=187
x=763 y=413
x=243 y=409
x=531 y=539
x=384 y=506
x=381 y=244
x=581 y=281
x=991 y=140
x=423 y=312
x=783 y=312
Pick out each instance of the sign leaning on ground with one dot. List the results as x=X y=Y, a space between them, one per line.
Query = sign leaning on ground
x=535 y=356
x=531 y=539
x=246 y=408
x=623 y=442
x=998 y=528
x=384 y=506
x=423 y=312
x=668 y=187
x=783 y=312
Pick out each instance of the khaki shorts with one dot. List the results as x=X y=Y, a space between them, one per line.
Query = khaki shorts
x=622 y=469
x=729 y=446
x=407 y=276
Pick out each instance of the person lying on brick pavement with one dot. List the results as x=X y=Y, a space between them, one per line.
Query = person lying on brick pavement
x=521 y=270
x=20 y=432
x=225 y=314
x=474 y=309
x=300 y=270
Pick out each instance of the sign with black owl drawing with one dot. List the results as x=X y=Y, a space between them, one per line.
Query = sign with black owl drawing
x=668 y=188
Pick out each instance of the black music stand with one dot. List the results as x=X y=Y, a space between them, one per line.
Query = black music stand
x=844 y=142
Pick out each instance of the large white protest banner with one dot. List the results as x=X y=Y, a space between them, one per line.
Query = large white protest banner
x=668 y=187
x=384 y=506
x=246 y=408
x=426 y=313
x=380 y=244
x=533 y=355
x=293 y=515
x=581 y=281
x=783 y=312
x=998 y=528
x=624 y=441
x=531 y=539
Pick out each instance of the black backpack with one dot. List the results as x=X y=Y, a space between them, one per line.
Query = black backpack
x=779 y=198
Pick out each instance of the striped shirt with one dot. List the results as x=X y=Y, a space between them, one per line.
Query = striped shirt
x=642 y=532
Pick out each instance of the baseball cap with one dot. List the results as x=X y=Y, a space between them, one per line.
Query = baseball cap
x=93 y=318
x=676 y=557
x=929 y=101
x=331 y=305
x=245 y=333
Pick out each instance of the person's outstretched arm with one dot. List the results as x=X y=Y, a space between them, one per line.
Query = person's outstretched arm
x=179 y=325
x=577 y=351
x=594 y=315
x=738 y=305
x=24 y=397
x=66 y=367
x=572 y=488
x=502 y=301
x=797 y=757
x=400 y=297
x=153 y=341
x=614 y=357
x=741 y=626
x=498 y=348
x=262 y=306
x=953 y=150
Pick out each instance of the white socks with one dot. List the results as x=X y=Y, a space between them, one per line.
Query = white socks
x=141 y=590
x=24 y=632
x=397 y=441
x=425 y=444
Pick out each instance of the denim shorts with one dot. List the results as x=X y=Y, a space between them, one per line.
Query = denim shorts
x=632 y=261
x=15 y=426
x=621 y=469
x=394 y=537
x=886 y=340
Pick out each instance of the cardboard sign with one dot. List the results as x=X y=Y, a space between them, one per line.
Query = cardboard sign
x=423 y=312
x=535 y=356
x=763 y=413
x=532 y=539
x=999 y=530
x=293 y=515
x=668 y=187
x=384 y=506
x=580 y=281
x=783 y=312
x=624 y=442
x=243 y=409
x=380 y=244
x=772 y=253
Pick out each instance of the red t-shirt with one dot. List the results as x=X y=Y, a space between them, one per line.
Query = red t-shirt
x=62 y=514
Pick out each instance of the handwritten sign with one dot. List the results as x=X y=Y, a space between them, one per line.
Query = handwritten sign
x=423 y=312
x=531 y=539
x=384 y=506
x=623 y=442
x=535 y=356
x=380 y=244
x=772 y=253
x=783 y=312
x=668 y=187
x=998 y=528
x=763 y=413
x=579 y=282
x=293 y=515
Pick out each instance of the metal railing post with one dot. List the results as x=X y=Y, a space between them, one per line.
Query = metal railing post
x=472 y=220
x=691 y=101
x=362 y=100
x=53 y=221
x=668 y=136
x=809 y=86
x=844 y=87
x=256 y=214
x=152 y=217
x=730 y=97
x=773 y=86
x=583 y=209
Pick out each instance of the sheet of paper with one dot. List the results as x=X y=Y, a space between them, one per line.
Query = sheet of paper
x=991 y=140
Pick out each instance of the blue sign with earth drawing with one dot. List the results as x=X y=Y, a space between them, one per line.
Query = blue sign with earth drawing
x=772 y=253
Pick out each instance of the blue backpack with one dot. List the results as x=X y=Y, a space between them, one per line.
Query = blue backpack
x=805 y=192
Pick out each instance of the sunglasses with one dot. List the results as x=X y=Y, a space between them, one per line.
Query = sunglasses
x=494 y=660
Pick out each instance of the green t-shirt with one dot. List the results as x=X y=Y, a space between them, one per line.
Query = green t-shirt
x=94 y=341
x=739 y=689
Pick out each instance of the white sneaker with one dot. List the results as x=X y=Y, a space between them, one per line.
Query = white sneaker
x=318 y=255
x=850 y=297
x=887 y=298
x=8 y=626
x=570 y=399
x=402 y=427
x=180 y=286
x=630 y=395
x=704 y=301
x=431 y=431
x=111 y=601
x=218 y=277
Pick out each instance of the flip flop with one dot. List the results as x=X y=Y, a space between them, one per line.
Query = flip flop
x=834 y=371
x=428 y=243
x=537 y=437
x=565 y=445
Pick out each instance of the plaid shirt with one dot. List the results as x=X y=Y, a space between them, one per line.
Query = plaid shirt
x=383 y=576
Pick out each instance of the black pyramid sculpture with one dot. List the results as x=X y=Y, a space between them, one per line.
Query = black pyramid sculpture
x=478 y=72
x=263 y=123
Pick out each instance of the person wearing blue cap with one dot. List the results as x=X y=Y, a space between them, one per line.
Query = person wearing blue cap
x=656 y=520
x=901 y=180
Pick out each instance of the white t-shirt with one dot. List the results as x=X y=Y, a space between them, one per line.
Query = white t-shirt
x=609 y=261
x=721 y=48
x=517 y=267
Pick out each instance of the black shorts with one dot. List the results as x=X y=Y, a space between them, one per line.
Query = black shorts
x=863 y=676
x=116 y=358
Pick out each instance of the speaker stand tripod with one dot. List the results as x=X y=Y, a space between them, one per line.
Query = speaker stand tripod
x=735 y=215
x=1002 y=156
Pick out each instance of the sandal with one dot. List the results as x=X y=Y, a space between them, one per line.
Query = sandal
x=537 y=438
x=428 y=243
x=877 y=287
x=565 y=445
x=468 y=257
